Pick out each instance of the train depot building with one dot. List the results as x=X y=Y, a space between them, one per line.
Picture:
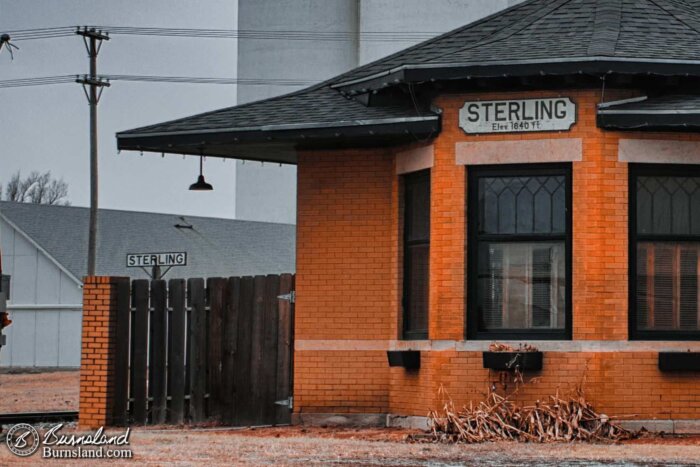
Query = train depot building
x=531 y=178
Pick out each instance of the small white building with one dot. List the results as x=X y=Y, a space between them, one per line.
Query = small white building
x=44 y=251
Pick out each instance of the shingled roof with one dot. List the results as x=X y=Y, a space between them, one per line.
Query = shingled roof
x=215 y=247
x=302 y=117
x=551 y=36
x=532 y=39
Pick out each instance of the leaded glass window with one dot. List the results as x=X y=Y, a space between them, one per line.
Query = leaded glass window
x=518 y=276
x=665 y=250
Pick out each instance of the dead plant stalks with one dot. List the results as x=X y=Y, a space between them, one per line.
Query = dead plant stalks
x=499 y=418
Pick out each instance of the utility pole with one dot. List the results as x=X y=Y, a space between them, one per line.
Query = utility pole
x=93 y=42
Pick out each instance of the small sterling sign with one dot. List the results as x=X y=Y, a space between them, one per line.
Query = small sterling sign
x=517 y=116
x=140 y=260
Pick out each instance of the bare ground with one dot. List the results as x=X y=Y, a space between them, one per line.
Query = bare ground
x=39 y=392
x=295 y=446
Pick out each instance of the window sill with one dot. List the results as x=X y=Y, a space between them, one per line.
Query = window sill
x=550 y=345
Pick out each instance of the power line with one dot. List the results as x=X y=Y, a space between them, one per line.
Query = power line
x=207 y=80
x=42 y=33
x=41 y=81
x=370 y=36
x=64 y=79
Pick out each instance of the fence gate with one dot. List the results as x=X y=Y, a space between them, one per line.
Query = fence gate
x=193 y=351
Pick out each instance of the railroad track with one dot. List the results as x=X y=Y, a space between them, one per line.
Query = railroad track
x=37 y=417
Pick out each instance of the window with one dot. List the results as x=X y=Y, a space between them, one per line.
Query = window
x=664 y=252
x=519 y=252
x=416 y=254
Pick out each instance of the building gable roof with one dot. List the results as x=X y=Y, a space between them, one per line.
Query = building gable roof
x=215 y=247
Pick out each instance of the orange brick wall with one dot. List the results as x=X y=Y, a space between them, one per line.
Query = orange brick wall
x=349 y=271
x=347 y=281
x=345 y=227
x=98 y=347
x=625 y=384
x=599 y=248
x=447 y=240
x=362 y=376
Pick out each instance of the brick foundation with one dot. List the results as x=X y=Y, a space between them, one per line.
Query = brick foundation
x=98 y=347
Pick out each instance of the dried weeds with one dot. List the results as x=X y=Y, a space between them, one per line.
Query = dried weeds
x=498 y=347
x=498 y=418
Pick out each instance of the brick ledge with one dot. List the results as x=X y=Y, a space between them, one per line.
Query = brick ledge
x=330 y=345
x=690 y=426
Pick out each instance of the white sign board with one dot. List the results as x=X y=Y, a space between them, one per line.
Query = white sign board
x=142 y=260
x=517 y=116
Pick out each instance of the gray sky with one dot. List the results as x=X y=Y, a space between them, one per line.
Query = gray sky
x=46 y=127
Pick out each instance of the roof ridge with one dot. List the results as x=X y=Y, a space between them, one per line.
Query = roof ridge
x=606 y=28
x=682 y=17
x=338 y=80
x=514 y=28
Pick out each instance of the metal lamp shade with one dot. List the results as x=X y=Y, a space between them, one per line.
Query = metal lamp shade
x=201 y=185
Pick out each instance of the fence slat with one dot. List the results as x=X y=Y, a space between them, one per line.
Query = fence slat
x=140 y=351
x=285 y=339
x=176 y=351
x=230 y=339
x=256 y=350
x=242 y=380
x=157 y=355
x=198 y=349
x=215 y=287
x=268 y=373
x=121 y=369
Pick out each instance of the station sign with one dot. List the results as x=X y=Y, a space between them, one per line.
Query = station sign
x=142 y=260
x=517 y=116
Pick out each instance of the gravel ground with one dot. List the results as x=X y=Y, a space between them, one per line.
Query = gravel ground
x=39 y=392
x=295 y=446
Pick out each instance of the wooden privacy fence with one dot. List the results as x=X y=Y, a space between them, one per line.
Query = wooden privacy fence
x=190 y=351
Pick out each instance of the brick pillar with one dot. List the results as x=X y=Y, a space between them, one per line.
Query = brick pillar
x=98 y=348
x=447 y=232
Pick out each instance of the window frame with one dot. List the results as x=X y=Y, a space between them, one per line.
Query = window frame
x=636 y=170
x=473 y=239
x=406 y=179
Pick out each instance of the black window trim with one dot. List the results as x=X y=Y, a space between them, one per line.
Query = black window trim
x=407 y=334
x=472 y=318
x=635 y=170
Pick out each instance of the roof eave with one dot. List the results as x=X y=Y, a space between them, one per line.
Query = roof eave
x=651 y=121
x=236 y=143
x=520 y=68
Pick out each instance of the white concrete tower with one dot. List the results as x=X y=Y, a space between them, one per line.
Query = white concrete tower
x=268 y=193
